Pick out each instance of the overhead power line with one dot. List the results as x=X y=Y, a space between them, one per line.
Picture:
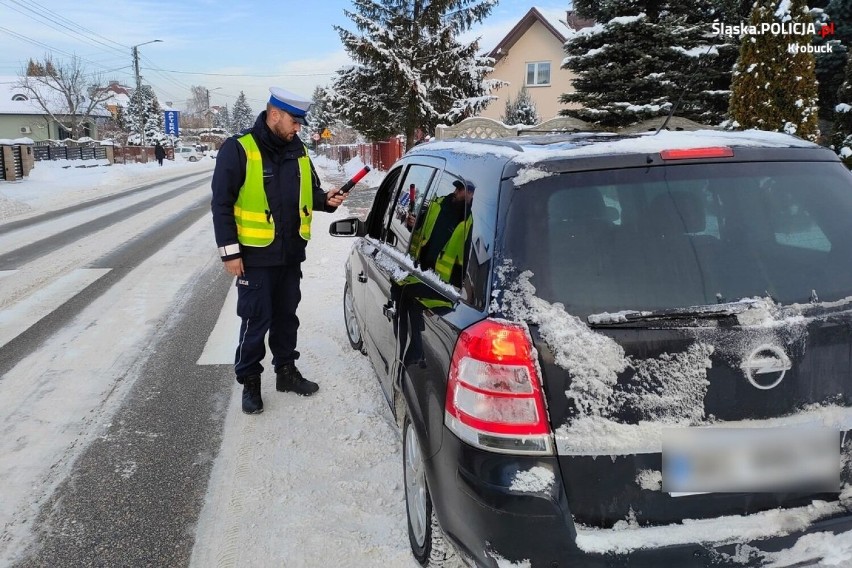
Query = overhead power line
x=122 y=48
x=50 y=48
x=273 y=75
x=38 y=16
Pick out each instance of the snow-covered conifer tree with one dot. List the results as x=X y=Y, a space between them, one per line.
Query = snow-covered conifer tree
x=521 y=110
x=411 y=70
x=144 y=114
x=242 y=116
x=643 y=55
x=842 y=135
x=320 y=116
x=831 y=66
x=222 y=119
x=774 y=88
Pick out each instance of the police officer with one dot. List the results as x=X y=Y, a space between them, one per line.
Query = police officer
x=442 y=217
x=265 y=190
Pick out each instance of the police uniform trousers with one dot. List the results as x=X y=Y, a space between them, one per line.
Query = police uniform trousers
x=267 y=298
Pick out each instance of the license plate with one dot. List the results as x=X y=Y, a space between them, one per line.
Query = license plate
x=702 y=460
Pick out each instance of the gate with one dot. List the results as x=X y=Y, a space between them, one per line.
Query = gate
x=11 y=163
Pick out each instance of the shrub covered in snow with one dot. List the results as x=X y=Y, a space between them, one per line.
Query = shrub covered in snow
x=774 y=88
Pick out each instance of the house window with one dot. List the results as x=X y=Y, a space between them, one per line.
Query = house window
x=538 y=73
x=19 y=97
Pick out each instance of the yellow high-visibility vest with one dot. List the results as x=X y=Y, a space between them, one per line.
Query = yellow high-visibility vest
x=421 y=237
x=255 y=225
x=452 y=254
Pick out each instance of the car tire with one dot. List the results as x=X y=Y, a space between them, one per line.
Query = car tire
x=193 y=159
x=425 y=536
x=353 y=330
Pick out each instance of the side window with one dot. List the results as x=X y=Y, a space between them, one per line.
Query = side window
x=401 y=216
x=379 y=213
x=441 y=238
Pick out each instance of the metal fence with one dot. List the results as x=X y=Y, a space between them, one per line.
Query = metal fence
x=69 y=152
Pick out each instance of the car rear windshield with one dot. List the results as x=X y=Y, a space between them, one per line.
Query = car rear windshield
x=685 y=235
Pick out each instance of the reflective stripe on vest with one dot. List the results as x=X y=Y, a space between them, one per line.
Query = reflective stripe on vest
x=428 y=303
x=255 y=225
x=452 y=254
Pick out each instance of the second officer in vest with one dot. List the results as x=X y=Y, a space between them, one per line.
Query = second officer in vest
x=265 y=191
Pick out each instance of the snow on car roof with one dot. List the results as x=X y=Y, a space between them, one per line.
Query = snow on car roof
x=540 y=148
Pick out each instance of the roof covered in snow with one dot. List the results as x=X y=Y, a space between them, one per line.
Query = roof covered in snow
x=15 y=100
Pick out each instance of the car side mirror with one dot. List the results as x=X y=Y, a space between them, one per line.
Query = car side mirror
x=351 y=227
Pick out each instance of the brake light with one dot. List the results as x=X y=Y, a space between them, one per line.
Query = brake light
x=692 y=153
x=494 y=396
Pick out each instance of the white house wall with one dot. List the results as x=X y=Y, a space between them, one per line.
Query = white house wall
x=11 y=125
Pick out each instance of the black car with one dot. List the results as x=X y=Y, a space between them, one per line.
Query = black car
x=614 y=350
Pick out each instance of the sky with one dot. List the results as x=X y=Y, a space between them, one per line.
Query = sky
x=226 y=47
x=335 y=494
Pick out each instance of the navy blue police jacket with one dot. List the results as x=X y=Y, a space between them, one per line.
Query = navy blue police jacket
x=281 y=182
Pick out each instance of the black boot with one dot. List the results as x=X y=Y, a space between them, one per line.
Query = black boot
x=289 y=379
x=252 y=403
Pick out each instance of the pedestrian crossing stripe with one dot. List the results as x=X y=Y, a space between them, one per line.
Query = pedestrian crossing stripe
x=222 y=343
x=22 y=315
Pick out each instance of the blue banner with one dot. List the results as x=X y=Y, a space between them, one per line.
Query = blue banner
x=172 y=118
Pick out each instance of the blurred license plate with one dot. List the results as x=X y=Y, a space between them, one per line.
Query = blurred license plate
x=750 y=460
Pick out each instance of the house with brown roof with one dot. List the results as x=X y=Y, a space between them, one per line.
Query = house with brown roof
x=119 y=97
x=530 y=56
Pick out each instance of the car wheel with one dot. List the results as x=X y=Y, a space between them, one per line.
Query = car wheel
x=353 y=330
x=193 y=159
x=428 y=544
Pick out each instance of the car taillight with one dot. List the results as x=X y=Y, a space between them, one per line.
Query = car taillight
x=692 y=153
x=494 y=397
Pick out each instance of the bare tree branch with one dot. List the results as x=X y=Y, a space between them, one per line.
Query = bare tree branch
x=64 y=91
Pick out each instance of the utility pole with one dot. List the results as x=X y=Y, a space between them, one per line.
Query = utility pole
x=135 y=51
x=141 y=116
x=209 y=117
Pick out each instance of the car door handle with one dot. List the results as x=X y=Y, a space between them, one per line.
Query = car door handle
x=362 y=277
x=389 y=310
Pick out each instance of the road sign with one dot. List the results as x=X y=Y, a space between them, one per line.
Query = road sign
x=326 y=133
x=315 y=137
x=172 y=120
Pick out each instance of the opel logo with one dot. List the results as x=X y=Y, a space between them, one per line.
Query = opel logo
x=766 y=366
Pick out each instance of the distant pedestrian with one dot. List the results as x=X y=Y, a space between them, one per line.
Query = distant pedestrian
x=265 y=190
x=159 y=152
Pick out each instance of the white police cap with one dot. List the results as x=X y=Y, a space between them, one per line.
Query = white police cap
x=293 y=104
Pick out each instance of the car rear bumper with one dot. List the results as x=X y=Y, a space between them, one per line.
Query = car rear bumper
x=499 y=508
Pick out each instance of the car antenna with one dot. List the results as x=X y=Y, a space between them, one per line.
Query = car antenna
x=683 y=92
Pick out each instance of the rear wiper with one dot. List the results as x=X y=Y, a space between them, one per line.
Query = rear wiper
x=708 y=311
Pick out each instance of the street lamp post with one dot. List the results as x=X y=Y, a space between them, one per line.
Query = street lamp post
x=135 y=51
